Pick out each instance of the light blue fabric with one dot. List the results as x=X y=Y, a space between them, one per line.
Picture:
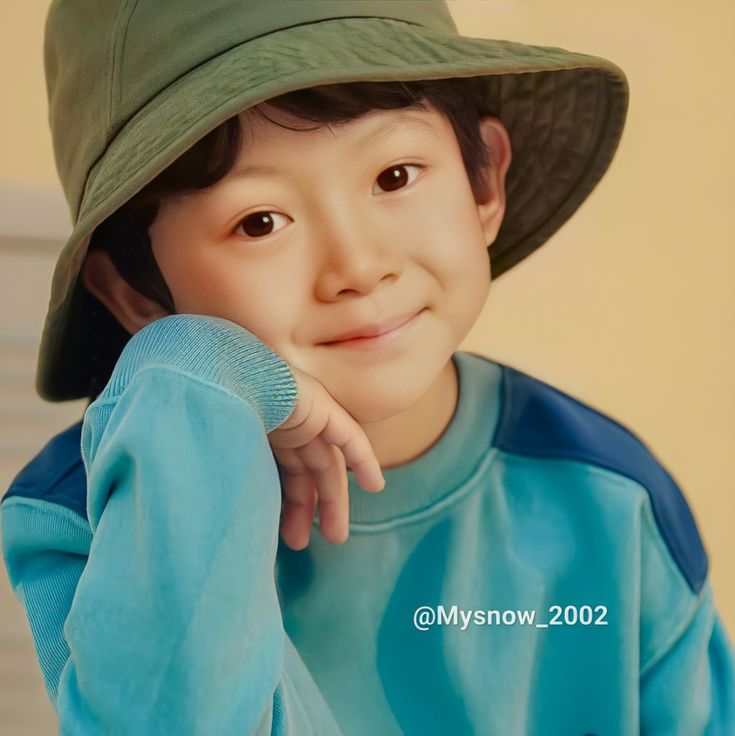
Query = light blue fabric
x=161 y=601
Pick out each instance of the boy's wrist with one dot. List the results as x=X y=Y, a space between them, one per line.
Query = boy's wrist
x=216 y=350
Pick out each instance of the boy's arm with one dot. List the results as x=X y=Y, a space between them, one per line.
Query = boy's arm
x=687 y=681
x=175 y=625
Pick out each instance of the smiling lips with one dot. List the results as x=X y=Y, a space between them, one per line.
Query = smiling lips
x=374 y=330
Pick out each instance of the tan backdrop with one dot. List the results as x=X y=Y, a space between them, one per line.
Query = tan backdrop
x=630 y=307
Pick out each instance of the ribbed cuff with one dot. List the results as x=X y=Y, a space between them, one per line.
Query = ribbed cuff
x=216 y=350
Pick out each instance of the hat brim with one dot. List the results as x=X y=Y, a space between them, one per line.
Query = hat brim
x=564 y=112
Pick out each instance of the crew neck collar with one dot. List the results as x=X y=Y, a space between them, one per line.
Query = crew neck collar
x=446 y=465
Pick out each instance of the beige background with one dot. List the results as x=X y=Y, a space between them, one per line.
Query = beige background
x=630 y=307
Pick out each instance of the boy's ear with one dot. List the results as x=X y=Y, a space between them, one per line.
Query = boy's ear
x=491 y=206
x=129 y=307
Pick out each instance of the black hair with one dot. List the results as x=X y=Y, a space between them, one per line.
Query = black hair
x=124 y=235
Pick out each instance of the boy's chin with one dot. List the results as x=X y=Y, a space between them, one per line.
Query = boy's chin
x=386 y=396
x=368 y=409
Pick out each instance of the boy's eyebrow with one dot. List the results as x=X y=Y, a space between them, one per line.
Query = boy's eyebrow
x=397 y=126
x=380 y=134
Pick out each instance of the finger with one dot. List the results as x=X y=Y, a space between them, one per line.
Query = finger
x=327 y=467
x=300 y=500
x=344 y=432
x=295 y=483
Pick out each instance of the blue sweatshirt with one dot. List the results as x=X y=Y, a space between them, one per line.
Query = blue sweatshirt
x=535 y=571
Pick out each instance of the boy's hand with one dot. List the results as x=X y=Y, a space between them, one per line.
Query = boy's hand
x=314 y=447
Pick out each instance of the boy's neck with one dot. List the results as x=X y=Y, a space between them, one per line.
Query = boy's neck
x=405 y=436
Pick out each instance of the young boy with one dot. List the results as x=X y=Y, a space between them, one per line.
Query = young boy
x=281 y=238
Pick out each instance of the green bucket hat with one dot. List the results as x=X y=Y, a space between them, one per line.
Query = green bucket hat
x=133 y=85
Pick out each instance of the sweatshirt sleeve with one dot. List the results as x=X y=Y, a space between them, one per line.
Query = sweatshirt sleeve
x=175 y=625
x=689 y=688
x=687 y=682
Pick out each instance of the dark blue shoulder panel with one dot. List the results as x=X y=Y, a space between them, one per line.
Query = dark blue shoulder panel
x=56 y=474
x=539 y=420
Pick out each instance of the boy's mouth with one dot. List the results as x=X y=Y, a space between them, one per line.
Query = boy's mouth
x=376 y=334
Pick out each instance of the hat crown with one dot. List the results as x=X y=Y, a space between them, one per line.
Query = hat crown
x=106 y=59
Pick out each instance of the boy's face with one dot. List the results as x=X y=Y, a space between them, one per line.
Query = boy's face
x=355 y=225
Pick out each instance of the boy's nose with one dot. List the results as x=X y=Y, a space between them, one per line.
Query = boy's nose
x=353 y=259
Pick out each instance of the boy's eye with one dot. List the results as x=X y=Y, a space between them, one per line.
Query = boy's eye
x=259 y=223
x=394 y=177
